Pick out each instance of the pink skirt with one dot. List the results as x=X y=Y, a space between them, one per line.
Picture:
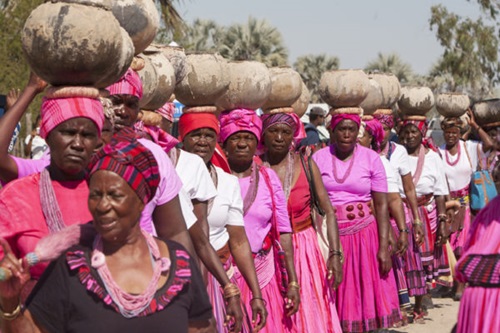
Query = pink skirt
x=365 y=300
x=317 y=311
x=479 y=310
x=457 y=239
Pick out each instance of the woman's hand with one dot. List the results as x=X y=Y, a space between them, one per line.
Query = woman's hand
x=12 y=98
x=292 y=301
x=234 y=314
x=402 y=244
x=384 y=260
x=418 y=234
x=258 y=310
x=37 y=83
x=442 y=233
x=15 y=272
x=335 y=271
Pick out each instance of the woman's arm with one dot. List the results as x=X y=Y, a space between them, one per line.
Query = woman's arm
x=411 y=196
x=292 y=295
x=485 y=138
x=442 y=233
x=382 y=218
x=397 y=212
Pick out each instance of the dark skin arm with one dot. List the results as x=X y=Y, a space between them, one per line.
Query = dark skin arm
x=442 y=233
x=292 y=299
x=485 y=138
x=382 y=218
x=242 y=255
x=411 y=196
x=334 y=261
x=397 y=212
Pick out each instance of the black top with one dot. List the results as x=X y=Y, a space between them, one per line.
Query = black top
x=70 y=298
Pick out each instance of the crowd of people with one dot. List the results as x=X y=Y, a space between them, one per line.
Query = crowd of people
x=243 y=223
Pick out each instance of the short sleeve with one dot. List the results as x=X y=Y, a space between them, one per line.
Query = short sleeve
x=281 y=210
x=195 y=177
x=472 y=149
x=27 y=167
x=403 y=161
x=441 y=186
x=200 y=309
x=235 y=212
x=49 y=301
x=392 y=181
x=378 y=175
x=187 y=209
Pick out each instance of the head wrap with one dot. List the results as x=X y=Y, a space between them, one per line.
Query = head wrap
x=167 y=111
x=129 y=84
x=189 y=122
x=159 y=136
x=338 y=117
x=449 y=122
x=55 y=111
x=239 y=120
x=385 y=119
x=420 y=124
x=129 y=159
x=376 y=130
x=289 y=119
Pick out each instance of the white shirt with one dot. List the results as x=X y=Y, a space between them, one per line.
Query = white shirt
x=227 y=209
x=38 y=146
x=433 y=178
x=459 y=175
x=196 y=180
x=400 y=163
x=392 y=177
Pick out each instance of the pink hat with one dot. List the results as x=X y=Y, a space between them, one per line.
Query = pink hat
x=167 y=111
x=239 y=120
x=55 y=111
x=129 y=84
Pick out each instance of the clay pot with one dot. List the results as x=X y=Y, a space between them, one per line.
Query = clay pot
x=205 y=81
x=416 y=101
x=301 y=104
x=139 y=18
x=487 y=112
x=158 y=81
x=344 y=88
x=286 y=87
x=76 y=45
x=178 y=59
x=249 y=86
x=452 y=104
x=374 y=99
x=383 y=93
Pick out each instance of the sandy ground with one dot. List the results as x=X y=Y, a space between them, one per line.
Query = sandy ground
x=441 y=319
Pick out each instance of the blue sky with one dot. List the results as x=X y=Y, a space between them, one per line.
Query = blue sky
x=353 y=30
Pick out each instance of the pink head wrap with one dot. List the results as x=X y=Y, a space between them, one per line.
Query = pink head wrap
x=338 y=117
x=167 y=111
x=129 y=84
x=55 y=111
x=385 y=119
x=289 y=119
x=375 y=128
x=239 y=120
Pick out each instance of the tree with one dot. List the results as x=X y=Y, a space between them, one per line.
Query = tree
x=203 y=36
x=391 y=63
x=311 y=67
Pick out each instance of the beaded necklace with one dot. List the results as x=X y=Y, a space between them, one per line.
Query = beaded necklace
x=448 y=156
x=334 y=166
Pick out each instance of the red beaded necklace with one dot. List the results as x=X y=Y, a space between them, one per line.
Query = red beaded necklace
x=448 y=156
x=334 y=166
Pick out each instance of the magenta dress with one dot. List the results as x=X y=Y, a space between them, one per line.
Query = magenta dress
x=365 y=300
x=479 y=266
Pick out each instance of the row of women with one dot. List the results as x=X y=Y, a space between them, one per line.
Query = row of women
x=247 y=209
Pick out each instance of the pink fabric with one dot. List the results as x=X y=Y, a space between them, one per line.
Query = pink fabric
x=167 y=111
x=385 y=119
x=239 y=120
x=290 y=119
x=26 y=167
x=457 y=239
x=258 y=218
x=299 y=207
x=55 y=111
x=22 y=222
x=375 y=128
x=129 y=84
x=158 y=136
x=367 y=175
x=337 y=118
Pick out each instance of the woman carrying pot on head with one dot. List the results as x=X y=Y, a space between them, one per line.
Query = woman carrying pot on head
x=407 y=261
x=199 y=133
x=356 y=184
x=265 y=215
x=46 y=202
x=121 y=280
x=280 y=133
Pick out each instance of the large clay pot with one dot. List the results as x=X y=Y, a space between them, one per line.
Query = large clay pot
x=249 y=86
x=301 y=104
x=416 y=101
x=139 y=18
x=452 y=104
x=205 y=81
x=487 y=112
x=385 y=91
x=344 y=88
x=286 y=87
x=75 y=44
x=374 y=99
x=178 y=59
x=158 y=81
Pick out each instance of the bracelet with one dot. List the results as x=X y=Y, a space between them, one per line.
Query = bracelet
x=293 y=284
x=417 y=222
x=442 y=217
x=9 y=316
x=231 y=290
x=405 y=230
x=259 y=298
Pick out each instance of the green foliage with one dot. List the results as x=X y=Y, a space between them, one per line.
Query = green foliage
x=391 y=63
x=311 y=67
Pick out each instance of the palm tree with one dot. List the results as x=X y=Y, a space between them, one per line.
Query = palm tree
x=202 y=36
x=391 y=63
x=311 y=67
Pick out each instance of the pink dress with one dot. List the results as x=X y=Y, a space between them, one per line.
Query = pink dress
x=479 y=266
x=365 y=300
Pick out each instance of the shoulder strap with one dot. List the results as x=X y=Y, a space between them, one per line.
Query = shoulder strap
x=274 y=222
x=467 y=153
x=310 y=180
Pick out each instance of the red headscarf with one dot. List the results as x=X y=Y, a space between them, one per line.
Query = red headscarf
x=422 y=126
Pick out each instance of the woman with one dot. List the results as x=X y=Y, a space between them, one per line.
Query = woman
x=123 y=280
x=317 y=313
x=45 y=202
x=264 y=207
x=198 y=133
x=461 y=159
x=354 y=177
x=410 y=274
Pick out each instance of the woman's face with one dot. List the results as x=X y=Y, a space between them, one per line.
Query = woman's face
x=366 y=139
x=126 y=109
x=345 y=135
x=278 y=138
x=114 y=205
x=451 y=136
x=411 y=137
x=201 y=142
x=72 y=143
x=240 y=147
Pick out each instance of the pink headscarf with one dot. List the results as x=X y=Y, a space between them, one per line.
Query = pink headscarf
x=375 y=128
x=167 y=111
x=55 y=111
x=289 y=119
x=159 y=136
x=338 y=117
x=129 y=84
x=239 y=120
x=385 y=119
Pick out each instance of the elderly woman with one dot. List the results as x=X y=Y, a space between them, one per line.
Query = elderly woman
x=317 y=313
x=123 y=279
x=199 y=133
x=356 y=184
x=265 y=215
